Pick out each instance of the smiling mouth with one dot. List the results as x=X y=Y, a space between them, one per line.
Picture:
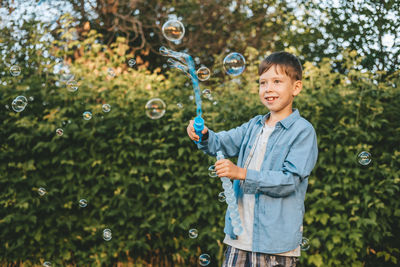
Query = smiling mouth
x=272 y=98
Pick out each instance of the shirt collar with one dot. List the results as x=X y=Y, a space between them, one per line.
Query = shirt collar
x=286 y=122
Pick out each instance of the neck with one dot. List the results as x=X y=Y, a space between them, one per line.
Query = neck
x=275 y=117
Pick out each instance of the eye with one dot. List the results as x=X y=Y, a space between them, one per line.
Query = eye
x=277 y=81
x=262 y=83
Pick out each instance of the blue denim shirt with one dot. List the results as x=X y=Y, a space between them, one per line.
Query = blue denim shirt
x=280 y=185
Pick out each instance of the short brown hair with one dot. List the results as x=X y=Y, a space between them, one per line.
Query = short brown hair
x=287 y=62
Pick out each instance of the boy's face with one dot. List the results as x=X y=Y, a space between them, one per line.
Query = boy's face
x=277 y=90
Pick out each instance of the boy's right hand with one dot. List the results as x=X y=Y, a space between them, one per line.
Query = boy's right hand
x=191 y=132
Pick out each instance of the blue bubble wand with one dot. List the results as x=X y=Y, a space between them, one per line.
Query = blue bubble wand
x=185 y=63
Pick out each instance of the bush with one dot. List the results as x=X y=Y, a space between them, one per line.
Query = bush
x=147 y=182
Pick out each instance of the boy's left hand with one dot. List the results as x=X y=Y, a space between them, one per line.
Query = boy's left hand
x=226 y=168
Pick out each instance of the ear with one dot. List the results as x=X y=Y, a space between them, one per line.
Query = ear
x=297 y=86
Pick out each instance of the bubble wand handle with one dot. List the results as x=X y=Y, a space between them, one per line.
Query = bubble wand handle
x=231 y=201
x=186 y=64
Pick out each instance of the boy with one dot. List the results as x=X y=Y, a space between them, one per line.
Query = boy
x=276 y=154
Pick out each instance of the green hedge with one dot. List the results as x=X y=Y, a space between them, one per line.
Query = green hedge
x=147 y=182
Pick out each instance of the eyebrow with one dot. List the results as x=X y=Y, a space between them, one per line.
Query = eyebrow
x=272 y=78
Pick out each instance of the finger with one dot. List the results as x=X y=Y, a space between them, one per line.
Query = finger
x=220 y=162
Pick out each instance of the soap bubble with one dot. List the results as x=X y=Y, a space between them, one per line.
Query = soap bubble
x=19 y=103
x=111 y=72
x=82 y=203
x=59 y=132
x=203 y=73
x=193 y=233
x=211 y=171
x=204 y=259
x=42 y=191
x=180 y=105
x=364 y=158
x=72 y=85
x=87 y=115
x=107 y=235
x=15 y=70
x=106 y=108
x=31 y=98
x=207 y=93
x=155 y=108
x=46 y=264
x=305 y=244
x=221 y=197
x=173 y=30
x=234 y=64
x=131 y=62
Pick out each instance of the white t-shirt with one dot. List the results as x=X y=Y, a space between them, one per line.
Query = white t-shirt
x=246 y=203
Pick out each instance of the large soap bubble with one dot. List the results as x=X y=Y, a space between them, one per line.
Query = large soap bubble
x=107 y=235
x=364 y=158
x=234 y=64
x=305 y=244
x=204 y=259
x=155 y=108
x=15 y=70
x=193 y=233
x=87 y=115
x=203 y=73
x=173 y=30
x=19 y=103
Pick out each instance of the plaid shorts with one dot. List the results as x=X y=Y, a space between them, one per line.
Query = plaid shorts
x=240 y=258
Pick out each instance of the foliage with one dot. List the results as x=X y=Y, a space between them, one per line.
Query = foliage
x=148 y=183
x=364 y=26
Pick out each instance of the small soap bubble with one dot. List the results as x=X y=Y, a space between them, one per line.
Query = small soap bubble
x=87 y=115
x=180 y=105
x=111 y=72
x=203 y=73
x=82 y=203
x=131 y=62
x=221 y=197
x=193 y=233
x=305 y=244
x=215 y=102
x=31 y=98
x=107 y=235
x=15 y=70
x=364 y=158
x=106 y=108
x=191 y=97
x=7 y=106
x=72 y=86
x=19 y=103
x=207 y=93
x=46 y=264
x=155 y=108
x=204 y=259
x=234 y=64
x=211 y=171
x=59 y=132
x=173 y=30
x=42 y=191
